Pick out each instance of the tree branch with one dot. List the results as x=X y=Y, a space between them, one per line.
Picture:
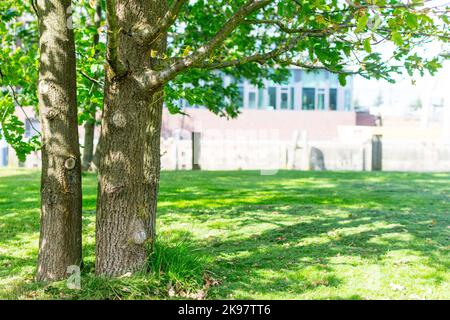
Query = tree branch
x=314 y=66
x=148 y=34
x=259 y=57
x=16 y=100
x=169 y=73
x=289 y=30
x=93 y=80
x=274 y=54
x=112 y=56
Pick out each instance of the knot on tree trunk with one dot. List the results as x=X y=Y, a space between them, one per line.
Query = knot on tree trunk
x=139 y=237
x=138 y=233
x=119 y=120
x=51 y=113
x=70 y=163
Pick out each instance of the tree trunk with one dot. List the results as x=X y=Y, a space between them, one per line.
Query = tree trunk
x=152 y=162
x=89 y=125
x=60 y=236
x=124 y=202
x=95 y=164
x=88 y=151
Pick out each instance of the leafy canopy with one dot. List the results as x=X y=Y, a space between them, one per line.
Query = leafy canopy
x=375 y=39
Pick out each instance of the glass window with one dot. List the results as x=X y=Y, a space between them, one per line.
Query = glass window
x=308 y=97
x=272 y=97
x=313 y=78
x=297 y=75
x=27 y=129
x=347 y=100
x=284 y=99
x=252 y=100
x=4 y=156
x=260 y=98
x=320 y=99
x=333 y=99
x=334 y=80
x=240 y=100
x=292 y=98
x=31 y=127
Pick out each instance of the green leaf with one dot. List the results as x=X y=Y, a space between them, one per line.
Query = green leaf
x=411 y=20
x=397 y=38
x=342 y=79
x=376 y=22
x=362 y=23
x=367 y=45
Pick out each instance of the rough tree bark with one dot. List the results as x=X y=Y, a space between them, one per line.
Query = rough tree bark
x=96 y=158
x=89 y=125
x=127 y=176
x=152 y=162
x=60 y=237
x=88 y=150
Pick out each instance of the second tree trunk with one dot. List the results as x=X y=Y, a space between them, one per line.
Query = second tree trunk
x=129 y=158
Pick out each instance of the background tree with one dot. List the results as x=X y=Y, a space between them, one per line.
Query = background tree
x=19 y=71
x=19 y=57
x=90 y=60
x=167 y=51
x=60 y=236
x=18 y=74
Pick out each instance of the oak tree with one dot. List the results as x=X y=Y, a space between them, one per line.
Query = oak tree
x=60 y=236
x=163 y=51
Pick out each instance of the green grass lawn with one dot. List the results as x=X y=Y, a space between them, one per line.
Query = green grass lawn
x=294 y=235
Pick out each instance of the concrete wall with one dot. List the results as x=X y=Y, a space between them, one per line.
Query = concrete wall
x=269 y=140
x=400 y=156
x=272 y=154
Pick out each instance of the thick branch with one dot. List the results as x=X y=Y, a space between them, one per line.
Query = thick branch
x=112 y=57
x=264 y=57
x=149 y=33
x=259 y=57
x=205 y=50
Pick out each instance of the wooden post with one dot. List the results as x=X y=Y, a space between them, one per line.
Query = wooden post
x=377 y=153
x=196 y=137
x=292 y=150
x=363 y=158
x=306 y=151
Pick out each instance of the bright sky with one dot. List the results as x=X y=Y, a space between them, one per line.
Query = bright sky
x=403 y=92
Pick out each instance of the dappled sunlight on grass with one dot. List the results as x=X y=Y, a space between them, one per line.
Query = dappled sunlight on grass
x=346 y=221
x=311 y=235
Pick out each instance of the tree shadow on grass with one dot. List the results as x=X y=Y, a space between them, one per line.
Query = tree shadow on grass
x=285 y=235
x=283 y=249
x=364 y=216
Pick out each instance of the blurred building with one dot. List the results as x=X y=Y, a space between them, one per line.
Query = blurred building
x=310 y=100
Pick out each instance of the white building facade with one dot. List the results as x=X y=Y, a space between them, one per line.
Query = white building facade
x=305 y=90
